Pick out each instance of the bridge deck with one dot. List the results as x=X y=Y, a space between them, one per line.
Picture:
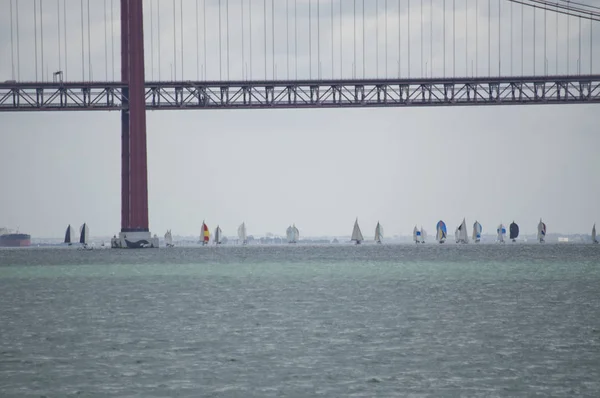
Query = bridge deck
x=72 y=96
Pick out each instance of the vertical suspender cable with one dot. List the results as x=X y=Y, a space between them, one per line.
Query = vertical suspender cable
x=476 y=37
x=467 y=38
x=296 y=37
x=42 y=38
x=545 y=42
x=511 y=38
x=227 y=24
x=409 y=38
x=181 y=35
x=430 y=38
x=499 y=39
x=568 y=41
x=363 y=38
x=444 y=33
x=250 y=30
x=19 y=45
x=534 y=42
x=12 y=44
x=591 y=42
x=399 y=42
x=332 y=44
x=174 y=69
x=243 y=43
x=112 y=39
x=35 y=37
x=106 y=43
x=522 y=40
x=319 y=69
x=287 y=38
x=57 y=34
x=422 y=64
x=220 y=47
x=579 y=63
x=273 y=36
x=265 y=33
x=377 y=38
x=309 y=39
x=159 y=35
x=453 y=38
x=341 y=41
x=90 y=76
x=489 y=38
x=354 y=43
x=198 y=43
x=556 y=41
x=82 y=46
x=386 y=39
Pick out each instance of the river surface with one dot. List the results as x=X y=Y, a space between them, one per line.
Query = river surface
x=513 y=320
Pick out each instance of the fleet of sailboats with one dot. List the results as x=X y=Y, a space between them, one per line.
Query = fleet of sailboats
x=378 y=233
x=293 y=235
x=477 y=232
x=357 y=236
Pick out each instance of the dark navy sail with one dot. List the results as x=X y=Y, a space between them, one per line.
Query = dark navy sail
x=68 y=233
x=514 y=231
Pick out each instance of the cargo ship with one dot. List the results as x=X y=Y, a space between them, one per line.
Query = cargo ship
x=9 y=239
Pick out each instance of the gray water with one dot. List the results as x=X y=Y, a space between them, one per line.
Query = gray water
x=335 y=321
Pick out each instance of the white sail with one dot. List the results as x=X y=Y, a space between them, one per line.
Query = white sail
x=168 y=238
x=218 y=237
x=289 y=234
x=423 y=235
x=84 y=234
x=456 y=234
x=242 y=233
x=296 y=233
x=416 y=234
x=356 y=234
x=476 y=231
x=462 y=236
x=594 y=240
x=541 y=231
x=378 y=233
x=501 y=233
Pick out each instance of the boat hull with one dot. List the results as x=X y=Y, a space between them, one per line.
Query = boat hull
x=15 y=240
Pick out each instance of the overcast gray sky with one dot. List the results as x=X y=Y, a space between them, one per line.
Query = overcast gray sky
x=317 y=168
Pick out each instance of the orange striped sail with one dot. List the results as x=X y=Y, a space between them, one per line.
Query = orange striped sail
x=205 y=234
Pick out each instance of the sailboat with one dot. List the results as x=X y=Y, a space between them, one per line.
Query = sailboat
x=356 y=234
x=441 y=232
x=423 y=234
x=169 y=239
x=378 y=233
x=218 y=236
x=541 y=235
x=456 y=235
x=594 y=240
x=462 y=233
x=514 y=231
x=501 y=230
x=84 y=235
x=69 y=235
x=242 y=233
x=292 y=234
x=204 y=234
x=417 y=235
x=477 y=232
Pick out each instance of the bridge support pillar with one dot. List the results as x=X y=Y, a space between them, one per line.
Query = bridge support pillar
x=134 y=172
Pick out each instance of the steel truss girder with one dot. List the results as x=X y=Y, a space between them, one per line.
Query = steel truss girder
x=87 y=96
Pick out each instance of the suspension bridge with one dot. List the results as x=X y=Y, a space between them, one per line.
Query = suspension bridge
x=68 y=55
